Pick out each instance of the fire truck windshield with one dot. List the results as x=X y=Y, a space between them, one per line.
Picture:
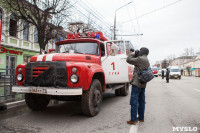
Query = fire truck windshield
x=80 y=48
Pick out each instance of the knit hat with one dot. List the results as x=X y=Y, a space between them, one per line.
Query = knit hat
x=144 y=51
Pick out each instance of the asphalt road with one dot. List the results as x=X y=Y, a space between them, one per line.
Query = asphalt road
x=168 y=105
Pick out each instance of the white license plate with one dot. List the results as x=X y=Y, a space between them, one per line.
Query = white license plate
x=38 y=90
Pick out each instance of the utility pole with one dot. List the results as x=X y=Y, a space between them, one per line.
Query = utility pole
x=116 y=18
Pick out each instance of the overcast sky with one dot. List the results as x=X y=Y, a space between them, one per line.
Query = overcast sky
x=166 y=31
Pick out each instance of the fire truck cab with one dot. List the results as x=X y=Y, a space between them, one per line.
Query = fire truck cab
x=81 y=68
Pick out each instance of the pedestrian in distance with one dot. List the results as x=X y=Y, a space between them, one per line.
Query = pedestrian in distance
x=137 y=101
x=167 y=75
x=163 y=74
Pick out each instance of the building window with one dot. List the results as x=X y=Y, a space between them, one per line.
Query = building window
x=26 y=58
x=35 y=35
x=25 y=30
x=10 y=63
x=13 y=25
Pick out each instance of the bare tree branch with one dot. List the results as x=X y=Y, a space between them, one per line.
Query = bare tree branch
x=47 y=16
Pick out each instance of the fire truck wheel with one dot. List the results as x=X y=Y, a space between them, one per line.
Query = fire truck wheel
x=125 y=90
x=92 y=99
x=36 y=102
x=117 y=92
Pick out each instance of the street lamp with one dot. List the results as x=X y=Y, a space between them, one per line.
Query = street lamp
x=115 y=18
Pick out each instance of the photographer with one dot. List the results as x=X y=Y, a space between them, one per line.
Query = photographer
x=140 y=61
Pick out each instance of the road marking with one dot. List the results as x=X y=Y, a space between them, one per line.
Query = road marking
x=197 y=90
x=133 y=129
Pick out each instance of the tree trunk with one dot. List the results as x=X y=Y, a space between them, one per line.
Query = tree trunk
x=41 y=40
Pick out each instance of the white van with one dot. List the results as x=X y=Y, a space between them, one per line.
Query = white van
x=174 y=72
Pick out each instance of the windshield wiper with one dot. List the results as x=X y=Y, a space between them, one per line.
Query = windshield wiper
x=79 y=53
x=90 y=53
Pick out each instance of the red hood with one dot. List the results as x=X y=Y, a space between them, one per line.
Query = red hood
x=155 y=72
x=66 y=57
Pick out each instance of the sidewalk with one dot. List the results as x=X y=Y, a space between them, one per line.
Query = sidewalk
x=191 y=77
x=9 y=105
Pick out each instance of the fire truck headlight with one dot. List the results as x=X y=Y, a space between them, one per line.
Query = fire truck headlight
x=19 y=69
x=74 y=78
x=74 y=70
x=20 y=77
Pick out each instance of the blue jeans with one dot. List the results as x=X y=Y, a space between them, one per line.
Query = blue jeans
x=137 y=103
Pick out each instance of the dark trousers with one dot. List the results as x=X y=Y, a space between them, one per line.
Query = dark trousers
x=167 y=80
x=137 y=103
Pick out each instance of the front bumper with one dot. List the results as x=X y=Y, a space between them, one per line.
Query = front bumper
x=48 y=90
x=175 y=76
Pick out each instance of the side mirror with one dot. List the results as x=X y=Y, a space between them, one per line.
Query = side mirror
x=113 y=50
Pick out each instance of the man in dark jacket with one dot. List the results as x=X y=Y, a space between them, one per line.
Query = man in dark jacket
x=167 y=75
x=137 y=100
x=163 y=74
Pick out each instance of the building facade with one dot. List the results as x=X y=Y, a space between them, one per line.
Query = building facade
x=192 y=68
x=181 y=60
x=18 y=40
x=19 y=43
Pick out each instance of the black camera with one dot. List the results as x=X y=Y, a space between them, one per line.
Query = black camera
x=136 y=52
x=132 y=50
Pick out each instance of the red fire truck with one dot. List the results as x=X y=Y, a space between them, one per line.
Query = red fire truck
x=80 y=68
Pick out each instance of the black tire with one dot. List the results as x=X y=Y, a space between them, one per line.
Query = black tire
x=125 y=90
x=118 y=92
x=36 y=102
x=92 y=99
x=180 y=77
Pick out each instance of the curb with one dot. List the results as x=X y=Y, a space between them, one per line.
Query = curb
x=6 y=106
x=2 y=107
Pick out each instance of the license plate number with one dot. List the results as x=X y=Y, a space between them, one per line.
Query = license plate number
x=38 y=90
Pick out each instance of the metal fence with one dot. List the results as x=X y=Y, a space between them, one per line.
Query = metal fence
x=7 y=80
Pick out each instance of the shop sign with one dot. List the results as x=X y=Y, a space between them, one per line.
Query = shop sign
x=4 y=50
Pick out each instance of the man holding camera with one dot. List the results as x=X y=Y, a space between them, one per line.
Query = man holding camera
x=140 y=61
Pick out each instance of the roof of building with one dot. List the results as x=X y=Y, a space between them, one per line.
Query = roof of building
x=186 y=57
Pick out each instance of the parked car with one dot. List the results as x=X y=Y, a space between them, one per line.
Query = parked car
x=155 y=71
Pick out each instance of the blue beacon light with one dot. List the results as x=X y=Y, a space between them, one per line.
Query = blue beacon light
x=97 y=36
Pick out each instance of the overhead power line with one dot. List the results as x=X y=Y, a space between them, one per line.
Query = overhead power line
x=96 y=12
x=85 y=17
x=81 y=9
x=153 y=11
